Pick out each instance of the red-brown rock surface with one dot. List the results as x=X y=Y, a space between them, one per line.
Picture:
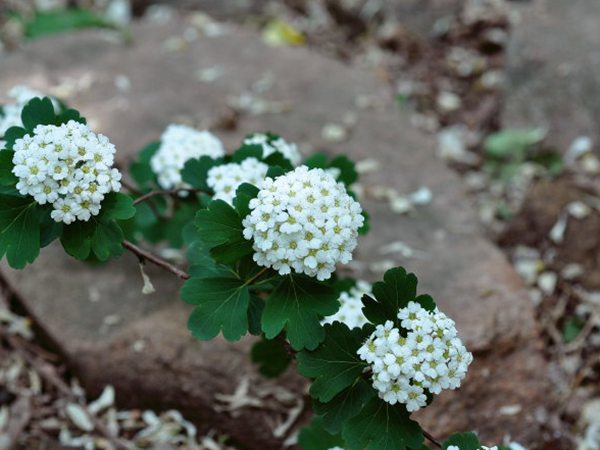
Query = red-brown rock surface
x=112 y=334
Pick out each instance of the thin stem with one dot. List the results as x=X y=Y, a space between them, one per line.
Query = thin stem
x=255 y=277
x=431 y=439
x=144 y=255
x=171 y=192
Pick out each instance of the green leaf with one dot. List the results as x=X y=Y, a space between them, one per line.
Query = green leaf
x=222 y=305
x=315 y=437
x=140 y=169
x=381 y=426
x=220 y=227
x=50 y=230
x=55 y=21
x=464 y=441
x=107 y=240
x=76 y=239
x=316 y=161
x=12 y=134
x=347 y=169
x=334 y=365
x=247 y=151
x=255 y=310
x=244 y=193
x=184 y=214
x=572 y=328
x=7 y=178
x=397 y=289
x=219 y=223
x=551 y=161
x=117 y=206
x=344 y=406
x=297 y=304
x=19 y=230
x=231 y=252
x=512 y=144
x=70 y=114
x=102 y=238
x=195 y=171
x=38 y=111
x=202 y=265
x=348 y=174
x=271 y=356
x=366 y=226
x=275 y=171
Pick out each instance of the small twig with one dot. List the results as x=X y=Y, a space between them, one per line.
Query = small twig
x=144 y=255
x=132 y=189
x=288 y=348
x=431 y=439
x=257 y=276
x=171 y=192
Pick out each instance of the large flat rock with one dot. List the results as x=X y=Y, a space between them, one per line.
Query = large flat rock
x=554 y=69
x=144 y=348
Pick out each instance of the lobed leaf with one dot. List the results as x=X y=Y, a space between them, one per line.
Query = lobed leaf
x=140 y=169
x=220 y=227
x=248 y=151
x=381 y=426
x=334 y=365
x=397 y=289
x=315 y=437
x=195 y=171
x=344 y=405
x=7 y=178
x=19 y=230
x=221 y=305
x=38 y=111
x=297 y=304
x=464 y=441
x=271 y=357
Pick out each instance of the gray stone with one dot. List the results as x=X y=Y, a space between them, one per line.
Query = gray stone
x=468 y=276
x=553 y=70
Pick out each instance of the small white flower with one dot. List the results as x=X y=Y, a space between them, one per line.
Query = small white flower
x=67 y=166
x=178 y=144
x=271 y=145
x=350 y=311
x=226 y=178
x=303 y=221
x=428 y=357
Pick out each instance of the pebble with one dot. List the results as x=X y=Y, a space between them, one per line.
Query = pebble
x=106 y=399
x=580 y=146
x=579 y=210
x=528 y=269
x=547 y=282
x=572 y=271
x=332 y=132
x=78 y=416
x=448 y=102
x=452 y=145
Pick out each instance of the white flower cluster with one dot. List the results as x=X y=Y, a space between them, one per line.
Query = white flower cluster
x=350 y=311
x=226 y=178
x=68 y=166
x=429 y=357
x=270 y=146
x=178 y=144
x=483 y=447
x=10 y=116
x=303 y=220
